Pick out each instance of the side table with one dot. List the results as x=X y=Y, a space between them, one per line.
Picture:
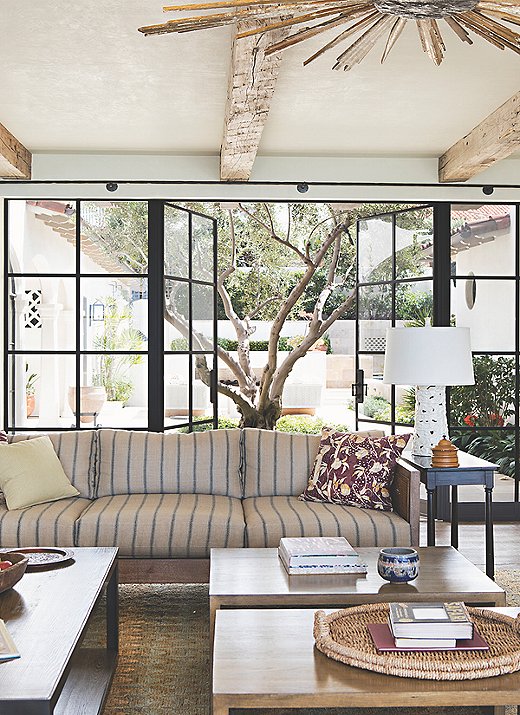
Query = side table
x=471 y=470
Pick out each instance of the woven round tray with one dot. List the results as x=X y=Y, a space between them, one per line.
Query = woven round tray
x=343 y=636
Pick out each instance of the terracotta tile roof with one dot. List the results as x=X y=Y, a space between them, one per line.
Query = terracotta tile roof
x=480 y=213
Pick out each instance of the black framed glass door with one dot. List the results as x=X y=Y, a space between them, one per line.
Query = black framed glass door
x=460 y=265
x=88 y=337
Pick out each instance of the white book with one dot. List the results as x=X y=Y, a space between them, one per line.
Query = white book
x=317 y=551
x=440 y=643
x=320 y=569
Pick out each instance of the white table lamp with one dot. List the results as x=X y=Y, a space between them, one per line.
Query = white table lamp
x=429 y=358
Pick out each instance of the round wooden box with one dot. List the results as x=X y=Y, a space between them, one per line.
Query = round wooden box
x=445 y=455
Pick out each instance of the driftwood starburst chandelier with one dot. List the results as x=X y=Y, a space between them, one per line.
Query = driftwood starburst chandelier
x=303 y=19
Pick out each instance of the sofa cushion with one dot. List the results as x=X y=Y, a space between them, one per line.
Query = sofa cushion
x=51 y=524
x=270 y=518
x=163 y=525
x=76 y=451
x=154 y=463
x=279 y=463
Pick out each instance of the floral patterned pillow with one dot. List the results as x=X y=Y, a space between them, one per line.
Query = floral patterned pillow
x=353 y=470
x=3 y=437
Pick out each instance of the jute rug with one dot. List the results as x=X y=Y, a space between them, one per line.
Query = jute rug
x=164 y=654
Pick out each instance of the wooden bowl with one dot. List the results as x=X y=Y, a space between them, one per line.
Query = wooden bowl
x=10 y=576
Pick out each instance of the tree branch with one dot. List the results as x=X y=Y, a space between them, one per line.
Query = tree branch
x=306 y=260
x=205 y=374
x=262 y=305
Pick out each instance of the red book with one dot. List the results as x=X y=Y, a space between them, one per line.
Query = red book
x=384 y=641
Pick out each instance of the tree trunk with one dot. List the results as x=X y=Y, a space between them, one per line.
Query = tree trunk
x=265 y=419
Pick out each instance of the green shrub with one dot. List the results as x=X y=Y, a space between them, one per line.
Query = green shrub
x=179 y=344
x=223 y=423
x=254 y=345
x=377 y=408
x=307 y=425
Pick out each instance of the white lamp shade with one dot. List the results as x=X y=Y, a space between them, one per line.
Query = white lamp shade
x=428 y=356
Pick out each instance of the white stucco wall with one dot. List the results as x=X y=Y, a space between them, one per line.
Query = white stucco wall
x=492 y=318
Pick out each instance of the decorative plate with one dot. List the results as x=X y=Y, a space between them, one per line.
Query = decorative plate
x=44 y=558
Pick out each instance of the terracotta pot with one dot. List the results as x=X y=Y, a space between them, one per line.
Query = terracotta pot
x=30 y=402
x=92 y=400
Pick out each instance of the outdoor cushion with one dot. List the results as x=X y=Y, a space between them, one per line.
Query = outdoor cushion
x=354 y=470
x=279 y=463
x=154 y=463
x=31 y=473
x=50 y=524
x=163 y=525
x=76 y=452
x=270 y=518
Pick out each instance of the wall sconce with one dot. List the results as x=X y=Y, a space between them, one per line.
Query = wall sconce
x=96 y=312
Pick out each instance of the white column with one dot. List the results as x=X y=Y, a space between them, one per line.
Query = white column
x=67 y=366
x=50 y=396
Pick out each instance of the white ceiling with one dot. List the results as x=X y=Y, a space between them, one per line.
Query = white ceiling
x=78 y=77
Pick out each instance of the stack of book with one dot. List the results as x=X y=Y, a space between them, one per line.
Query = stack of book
x=319 y=555
x=427 y=626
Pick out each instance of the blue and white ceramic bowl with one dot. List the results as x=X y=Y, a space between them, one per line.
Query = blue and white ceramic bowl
x=398 y=564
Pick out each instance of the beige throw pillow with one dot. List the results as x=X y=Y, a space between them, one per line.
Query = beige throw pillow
x=31 y=473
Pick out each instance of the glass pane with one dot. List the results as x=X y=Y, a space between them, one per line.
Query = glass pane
x=202 y=305
x=413 y=303
x=483 y=240
x=114 y=314
x=177 y=388
x=42 y=314
x=39 y=386
x=176 y=329
x=42 y=237
x=115 y=387
x=375 y=249
x=487 y=307
x=497 y=446
x=114 y=237
x=375 y=316
x=202 y=248
x=490 y=401
x=202 y=406
x=176 y=242
x=414 y=243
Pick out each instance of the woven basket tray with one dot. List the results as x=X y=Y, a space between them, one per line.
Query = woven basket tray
x=343 y=636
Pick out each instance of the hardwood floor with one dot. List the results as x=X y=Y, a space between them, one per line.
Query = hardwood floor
x=472 y=542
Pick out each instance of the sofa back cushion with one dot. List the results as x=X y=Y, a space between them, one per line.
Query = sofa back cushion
x=76 y=451
x=279 y=463
x=155 y=463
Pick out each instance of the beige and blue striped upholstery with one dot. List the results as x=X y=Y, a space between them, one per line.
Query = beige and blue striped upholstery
x=279 y=463
x=49 y=524
x=76 y=451
x=270 y=518
x=163 y=525
x=152 y=463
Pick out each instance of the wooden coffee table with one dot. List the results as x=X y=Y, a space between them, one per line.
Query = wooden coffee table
x=253 y=578
x=47 y=613
x=266 y=659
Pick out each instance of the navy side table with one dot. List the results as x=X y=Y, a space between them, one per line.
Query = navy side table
x=471 y=470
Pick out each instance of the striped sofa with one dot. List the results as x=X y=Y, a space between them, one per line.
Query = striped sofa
x=166 y=499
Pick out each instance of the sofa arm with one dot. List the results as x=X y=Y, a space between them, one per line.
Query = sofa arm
x=405 y=496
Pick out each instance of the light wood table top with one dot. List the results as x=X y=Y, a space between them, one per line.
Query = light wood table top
x=46 y=613
x=256 y=577
x=266 y=658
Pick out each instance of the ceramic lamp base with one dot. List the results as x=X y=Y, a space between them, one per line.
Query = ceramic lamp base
x=431 y=424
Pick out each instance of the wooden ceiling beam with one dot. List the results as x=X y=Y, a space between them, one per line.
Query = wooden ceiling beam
x=15 y=159
x=494 y=139
x=252 y=82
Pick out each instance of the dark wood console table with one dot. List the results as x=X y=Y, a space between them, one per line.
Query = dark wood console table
x=47 y=613
x=471 y=470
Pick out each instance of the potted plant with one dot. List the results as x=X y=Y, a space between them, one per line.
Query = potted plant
x=30 y=390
